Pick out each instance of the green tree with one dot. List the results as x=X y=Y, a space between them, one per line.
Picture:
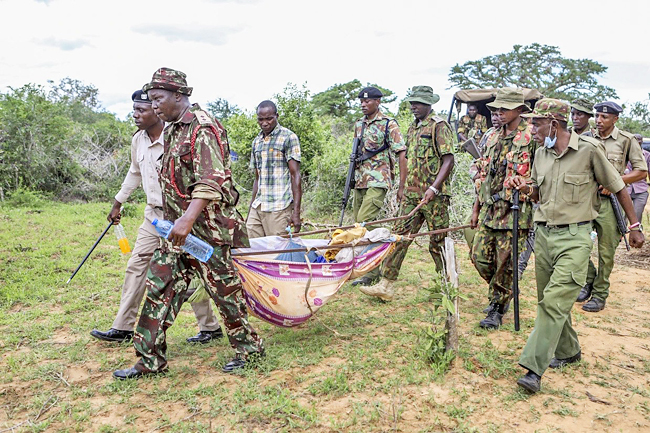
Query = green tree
x=222 y=109
x=297 y=112
x=535 y=66
x=342 y=100
x=636 y=118
x=34 y=133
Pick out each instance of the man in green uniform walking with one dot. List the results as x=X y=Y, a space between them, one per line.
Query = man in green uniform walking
x=507 y=152
x=381 y=143
x=621 y=147
x=430 y=142
x=565 y=178
x=198 y=196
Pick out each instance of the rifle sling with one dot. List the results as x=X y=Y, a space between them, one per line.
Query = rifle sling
x=367 y=154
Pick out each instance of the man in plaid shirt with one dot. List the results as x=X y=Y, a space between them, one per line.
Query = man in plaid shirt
x=277 y=191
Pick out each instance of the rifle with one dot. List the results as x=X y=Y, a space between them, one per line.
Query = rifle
x=515 y=252
x=89 y=252
x=470 y=147
x=620 y=219
x=356 y=145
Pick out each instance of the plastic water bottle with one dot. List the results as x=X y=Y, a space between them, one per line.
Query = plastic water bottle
x=123 y=242
x=193 y=245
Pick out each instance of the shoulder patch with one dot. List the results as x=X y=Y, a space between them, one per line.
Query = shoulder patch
x=203 y=117
x=437 y=119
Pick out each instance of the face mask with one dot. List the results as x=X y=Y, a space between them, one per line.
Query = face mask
x=548 y=142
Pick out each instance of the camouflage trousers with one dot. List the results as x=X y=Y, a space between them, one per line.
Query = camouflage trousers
x=169 y=276
x=492 y=257
x=436 y=216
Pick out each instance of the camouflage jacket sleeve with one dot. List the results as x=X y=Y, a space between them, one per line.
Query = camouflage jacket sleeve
x=395 y=139
x=209 y=171
x=445 y=138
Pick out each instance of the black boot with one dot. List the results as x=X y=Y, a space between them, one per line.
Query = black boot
x=531 y=382
x=113 y=335
x=585 y=292
x=205 y=337
x=493 y=318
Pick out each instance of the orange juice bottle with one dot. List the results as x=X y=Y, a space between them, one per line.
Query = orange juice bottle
x=120 y=234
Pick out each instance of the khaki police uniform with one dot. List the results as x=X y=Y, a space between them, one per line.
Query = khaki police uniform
x=568 y=197
x=620 y=147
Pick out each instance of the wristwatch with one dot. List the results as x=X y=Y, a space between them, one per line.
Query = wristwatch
x=434 y=190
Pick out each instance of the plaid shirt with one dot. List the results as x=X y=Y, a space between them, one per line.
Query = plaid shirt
x=270 y=160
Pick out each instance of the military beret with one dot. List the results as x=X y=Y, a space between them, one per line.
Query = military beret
x=370 y=93
x=584 y=105
x=608 y=107
x=140 y=96
x=169 y=79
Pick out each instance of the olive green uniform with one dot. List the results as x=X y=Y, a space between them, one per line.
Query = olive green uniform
x=427 y=141
x=620 y=147
x=568 y=197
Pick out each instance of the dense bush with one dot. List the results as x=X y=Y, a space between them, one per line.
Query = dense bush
x=52 y=142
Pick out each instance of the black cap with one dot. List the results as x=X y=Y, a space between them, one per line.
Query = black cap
x=608 y=107
x=140 y=96
x=370 y=93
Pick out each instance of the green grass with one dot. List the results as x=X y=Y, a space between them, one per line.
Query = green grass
x=356 y=367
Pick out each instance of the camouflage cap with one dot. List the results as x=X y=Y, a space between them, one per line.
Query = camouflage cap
x=508 y=98
x=424 y=95
x=550 y=108
x=584 y=105
x=169 y=79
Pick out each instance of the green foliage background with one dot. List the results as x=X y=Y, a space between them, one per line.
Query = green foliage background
x=57 y=142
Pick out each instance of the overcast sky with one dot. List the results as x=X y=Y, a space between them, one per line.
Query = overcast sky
x=247 y=50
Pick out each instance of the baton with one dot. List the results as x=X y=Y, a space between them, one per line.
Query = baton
x=89 y=252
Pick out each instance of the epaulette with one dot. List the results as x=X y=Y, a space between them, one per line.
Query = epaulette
x=590 y=140
x=438 y=119
x=203 y=117
x=627 y=134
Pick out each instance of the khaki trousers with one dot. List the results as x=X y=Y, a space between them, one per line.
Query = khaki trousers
x=136 y=276
x=260 y=223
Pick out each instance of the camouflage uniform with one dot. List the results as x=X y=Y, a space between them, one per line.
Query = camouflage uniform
x=374 y=176
x=427 y=142
x=187 y=174
x=492 y=247
x=478 y=124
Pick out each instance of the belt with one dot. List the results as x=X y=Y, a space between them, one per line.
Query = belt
x=561 y=226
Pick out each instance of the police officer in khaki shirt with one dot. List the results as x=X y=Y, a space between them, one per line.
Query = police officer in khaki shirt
x=567 y=172
x=621 y=147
